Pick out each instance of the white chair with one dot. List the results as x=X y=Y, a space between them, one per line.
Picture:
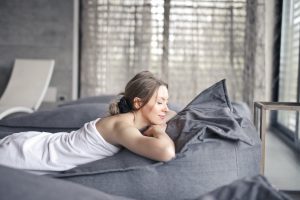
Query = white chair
x=27 y=86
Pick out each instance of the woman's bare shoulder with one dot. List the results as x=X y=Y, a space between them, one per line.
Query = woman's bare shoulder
x=118 y=124
x=113 y=128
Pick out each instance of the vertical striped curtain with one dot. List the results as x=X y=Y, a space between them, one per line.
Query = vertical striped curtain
x=189 y=43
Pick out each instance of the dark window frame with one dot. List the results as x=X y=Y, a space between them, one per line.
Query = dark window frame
x=279 y=129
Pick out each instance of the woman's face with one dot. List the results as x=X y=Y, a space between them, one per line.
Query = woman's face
x=156 y=109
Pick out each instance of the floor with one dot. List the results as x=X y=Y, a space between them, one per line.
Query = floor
x=282 y=166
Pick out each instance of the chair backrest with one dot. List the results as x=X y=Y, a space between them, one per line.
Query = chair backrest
x=28 y=83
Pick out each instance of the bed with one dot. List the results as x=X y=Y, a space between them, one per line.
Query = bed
x=216 y=144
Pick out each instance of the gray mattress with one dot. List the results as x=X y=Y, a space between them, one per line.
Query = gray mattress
x=216 y=143
x=16 y=184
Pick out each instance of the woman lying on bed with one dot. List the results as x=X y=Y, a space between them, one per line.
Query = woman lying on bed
x=144 y=106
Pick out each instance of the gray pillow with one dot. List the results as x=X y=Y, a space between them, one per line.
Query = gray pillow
x=107 y=99
x=210 y=114
x=65 y=118
x=16 y=184
x=214 y=146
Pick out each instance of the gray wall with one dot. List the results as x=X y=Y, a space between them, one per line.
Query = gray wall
x=42 y=29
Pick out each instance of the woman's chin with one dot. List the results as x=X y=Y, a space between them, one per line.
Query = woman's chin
x=160 y=122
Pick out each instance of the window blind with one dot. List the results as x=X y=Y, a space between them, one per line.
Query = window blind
x=289 y=61
x=189 y=43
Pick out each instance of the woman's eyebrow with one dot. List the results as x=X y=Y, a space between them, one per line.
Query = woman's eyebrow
x=163 y=98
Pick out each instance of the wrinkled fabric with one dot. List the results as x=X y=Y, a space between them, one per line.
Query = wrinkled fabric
x=209 y=115
x=249 y=188
x=42 y=151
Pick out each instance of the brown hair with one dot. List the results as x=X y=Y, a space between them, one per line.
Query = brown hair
x=142 y=85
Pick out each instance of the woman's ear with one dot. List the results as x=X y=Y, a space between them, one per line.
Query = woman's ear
x=137 y=103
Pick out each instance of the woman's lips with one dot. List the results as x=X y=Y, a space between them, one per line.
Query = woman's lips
x=162 y=117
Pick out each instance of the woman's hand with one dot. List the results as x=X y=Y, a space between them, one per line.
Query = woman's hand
x=155 y=130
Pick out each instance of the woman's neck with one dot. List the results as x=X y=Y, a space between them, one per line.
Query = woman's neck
x=139 y=121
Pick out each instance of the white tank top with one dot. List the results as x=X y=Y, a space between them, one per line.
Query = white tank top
x=43 y=152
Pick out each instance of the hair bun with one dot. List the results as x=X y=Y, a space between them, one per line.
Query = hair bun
x=124 y=105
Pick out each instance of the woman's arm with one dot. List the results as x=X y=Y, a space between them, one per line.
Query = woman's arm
x=154 y=144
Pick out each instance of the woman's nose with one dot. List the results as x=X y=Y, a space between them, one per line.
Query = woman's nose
x=166 y=108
